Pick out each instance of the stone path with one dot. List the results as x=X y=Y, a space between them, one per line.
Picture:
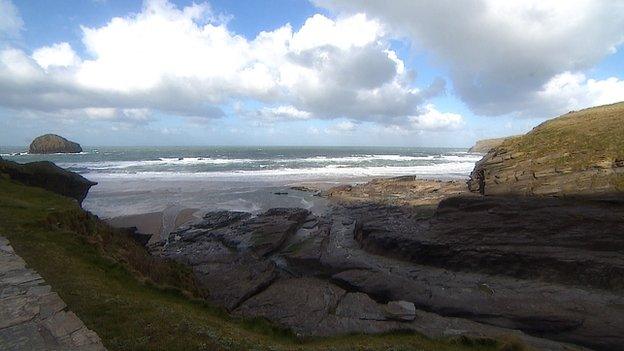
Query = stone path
x=32 y=316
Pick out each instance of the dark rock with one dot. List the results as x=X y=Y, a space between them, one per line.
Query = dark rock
x=360 y=306
x=49 y=176
x=305 y=189
x=51 y=144
x=542 y=309
x=301 y=304
x=311 y=275
x=219 y=219
x=226 y=251
x=401 y=310
x=140 y=238
x=575 y=242
x=231 y=283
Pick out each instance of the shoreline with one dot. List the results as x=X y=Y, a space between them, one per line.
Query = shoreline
x=412 y=191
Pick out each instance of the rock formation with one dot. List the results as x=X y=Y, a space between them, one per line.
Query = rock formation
x=49 y=176
x=485 y=145
x=401 y=191
x=472 y=269
x=51 y=144
x=580 y=153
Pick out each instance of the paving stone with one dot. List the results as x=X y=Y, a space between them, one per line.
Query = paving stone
x=17 y=309
x=32 y=316
x=62 y=324
x=21 y=337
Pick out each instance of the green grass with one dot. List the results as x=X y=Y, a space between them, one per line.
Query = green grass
x=136 y=302
x=577 y=140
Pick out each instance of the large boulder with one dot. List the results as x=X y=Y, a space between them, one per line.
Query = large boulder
x=579 y=153
x=49 y=176
x=52 y=144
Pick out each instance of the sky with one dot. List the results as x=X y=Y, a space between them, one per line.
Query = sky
x=296 y=72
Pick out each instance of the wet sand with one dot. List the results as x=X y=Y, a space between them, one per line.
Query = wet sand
x=158 y=224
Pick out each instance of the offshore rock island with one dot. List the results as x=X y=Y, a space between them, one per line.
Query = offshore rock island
x=52 y=144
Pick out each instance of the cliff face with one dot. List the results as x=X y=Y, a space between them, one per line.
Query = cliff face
x=579 y=153
x=485 y=145
x=52 y=143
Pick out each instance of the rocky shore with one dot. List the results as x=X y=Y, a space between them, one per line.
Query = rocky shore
x=473 y=266
x=541 y=257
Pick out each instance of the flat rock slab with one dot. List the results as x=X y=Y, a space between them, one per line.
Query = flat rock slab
x=32 y=316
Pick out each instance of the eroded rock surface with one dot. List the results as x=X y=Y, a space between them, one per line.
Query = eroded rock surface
x=330 y=275
x=573 y=242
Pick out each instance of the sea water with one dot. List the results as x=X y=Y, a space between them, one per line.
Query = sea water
x=145 y=179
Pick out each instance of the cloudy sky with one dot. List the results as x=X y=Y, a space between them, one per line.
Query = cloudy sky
x=296 y=72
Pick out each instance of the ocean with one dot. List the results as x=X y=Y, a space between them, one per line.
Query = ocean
x=134 y=180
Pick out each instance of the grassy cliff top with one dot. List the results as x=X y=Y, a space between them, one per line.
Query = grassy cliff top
x=485 y=145
x=578 y=140
x=134 y=302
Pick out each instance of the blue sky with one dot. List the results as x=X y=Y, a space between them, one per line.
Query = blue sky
x=323 y=72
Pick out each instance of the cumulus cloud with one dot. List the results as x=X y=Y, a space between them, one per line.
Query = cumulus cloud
x=61 y=55
x=501 y=53
x=185 y=61
x=573 y=91
x=434 y=120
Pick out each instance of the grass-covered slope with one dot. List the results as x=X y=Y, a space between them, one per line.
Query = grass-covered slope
x=578 y=153
x=135 y=302
x=485 y=145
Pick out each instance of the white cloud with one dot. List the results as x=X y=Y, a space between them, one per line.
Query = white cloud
x=341 y=128
x=185 y=61
x=573 y=91
x=285 y=112
x=500 y=53
x=109 y=115
x=10 y=21
x=60 y=54
x=434 y=120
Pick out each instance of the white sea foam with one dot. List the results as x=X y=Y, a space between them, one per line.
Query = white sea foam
x=196 y=161
x=171 y=161
x=26 y=153
x=450 y=169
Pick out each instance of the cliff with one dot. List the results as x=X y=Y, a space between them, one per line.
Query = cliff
x=579 y=153
x=51 y=144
